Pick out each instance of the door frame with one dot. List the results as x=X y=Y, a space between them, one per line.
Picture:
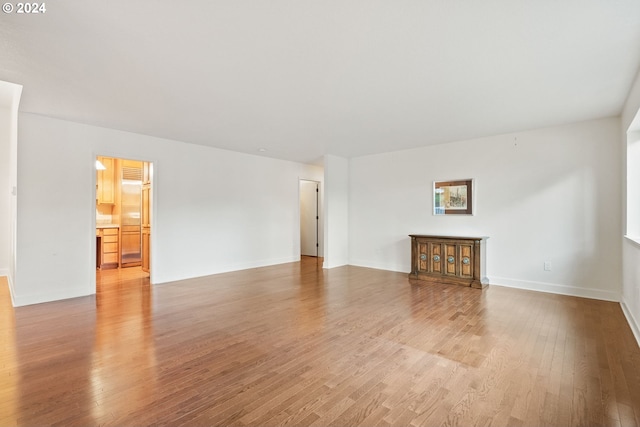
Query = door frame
x=319 y=220
x=153 y=200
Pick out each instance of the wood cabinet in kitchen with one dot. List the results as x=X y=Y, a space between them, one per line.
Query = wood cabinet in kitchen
x=146 y=173
x=146 y=248
x=145 y=217
x=108 y=247
x=105 y=181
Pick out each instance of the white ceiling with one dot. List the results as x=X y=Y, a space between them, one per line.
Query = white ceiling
x=305 y=78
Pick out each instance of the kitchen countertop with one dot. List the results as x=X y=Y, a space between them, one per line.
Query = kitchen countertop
x=107 y=226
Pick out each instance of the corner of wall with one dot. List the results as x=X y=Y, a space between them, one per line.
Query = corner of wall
x=633 y=322
x=11 y=290
x=554 y=288
x=631 y=104
x=336 y=211
x=14 y=92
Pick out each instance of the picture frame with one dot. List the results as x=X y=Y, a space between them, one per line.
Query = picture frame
x=453 y=197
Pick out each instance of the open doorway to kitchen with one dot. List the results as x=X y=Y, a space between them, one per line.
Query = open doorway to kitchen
x=123 y=223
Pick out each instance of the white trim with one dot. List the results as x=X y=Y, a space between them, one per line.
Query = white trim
x=92 y=285
x=633 y=322
x=513 y=283
x=554 y=288
x=235 y=267
x=379 y=266
x=327 y=266
x=42 y=298
x=634 y=240
x=11 y=291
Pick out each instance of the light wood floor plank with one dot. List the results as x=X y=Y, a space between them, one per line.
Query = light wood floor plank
x=296 y=345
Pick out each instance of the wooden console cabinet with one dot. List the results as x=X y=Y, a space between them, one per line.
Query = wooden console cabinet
x=449 y=259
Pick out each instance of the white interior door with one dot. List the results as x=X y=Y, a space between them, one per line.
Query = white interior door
x=309 y=218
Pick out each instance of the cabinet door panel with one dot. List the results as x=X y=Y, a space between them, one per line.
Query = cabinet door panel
x=145 y=218
x=110 y=247
x=110 y=258
x=106 y=181
x=423 y=257
x=436 y=257
x=450 y=261
x=146 y=245
x=146 y=173
x=466 y=260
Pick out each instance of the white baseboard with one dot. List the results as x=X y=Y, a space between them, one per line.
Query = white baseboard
x=554 y=288
x=158 y=279
x=327 y=266
x=19 y=301
x=332 y=263
x=510 y=283
x=5 y=273
x=633 y=322
x=259 y=263
x=11 y=291
x=74 y=293
x=379 y=266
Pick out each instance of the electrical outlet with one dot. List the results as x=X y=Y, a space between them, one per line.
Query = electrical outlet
x=547 y=266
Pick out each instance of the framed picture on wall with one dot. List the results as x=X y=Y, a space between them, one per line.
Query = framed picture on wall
x=453 y=197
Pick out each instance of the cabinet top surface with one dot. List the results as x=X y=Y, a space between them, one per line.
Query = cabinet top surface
x=431 y=236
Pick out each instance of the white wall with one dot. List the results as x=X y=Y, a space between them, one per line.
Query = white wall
x=13 y=184
x=336 y=211
x=5 y=189
x=630 y=299
x=632 y=180
x=214 y=210
x=542 y=195
x=9 y=101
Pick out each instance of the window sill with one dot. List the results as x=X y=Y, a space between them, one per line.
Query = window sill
x=634 y=240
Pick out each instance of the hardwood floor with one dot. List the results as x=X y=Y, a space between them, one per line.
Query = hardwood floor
x=295 y=345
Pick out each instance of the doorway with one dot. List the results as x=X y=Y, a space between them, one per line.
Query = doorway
x=310 y=218
x=123 y=221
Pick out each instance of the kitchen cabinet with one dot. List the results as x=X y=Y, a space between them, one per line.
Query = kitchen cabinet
x=146 y=203
x=145 y=216
x=108 y=247
x=146 y=173
x=106 y=182
x=449 y=260
x=146 y=247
